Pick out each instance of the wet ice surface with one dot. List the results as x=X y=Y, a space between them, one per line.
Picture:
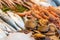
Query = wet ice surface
x=18 y=36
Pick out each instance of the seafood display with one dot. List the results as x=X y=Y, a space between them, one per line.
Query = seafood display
x=39 y=17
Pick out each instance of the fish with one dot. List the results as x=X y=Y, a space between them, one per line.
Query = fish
x=7 y=26
x=8 y=20
x=18 y=20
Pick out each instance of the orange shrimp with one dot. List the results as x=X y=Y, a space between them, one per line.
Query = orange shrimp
x=54 y=9
x=53 y=13
x=36 y=15
x=21 y=14
x=44 y=16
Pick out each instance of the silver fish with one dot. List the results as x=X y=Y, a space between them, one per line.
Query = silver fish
x=8 y=27
x=17 y=19
x=9 y=20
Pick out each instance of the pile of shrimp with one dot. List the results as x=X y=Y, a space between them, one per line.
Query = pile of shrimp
x=25 y=21
x=50 y=13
